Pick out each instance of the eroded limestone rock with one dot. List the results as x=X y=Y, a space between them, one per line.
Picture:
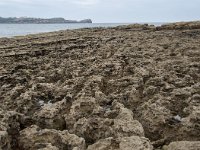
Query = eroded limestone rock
x=117 y=84
x=51 y=115
x=183 y=145
x=125 y=143
x=34 y=137
x=5 y=141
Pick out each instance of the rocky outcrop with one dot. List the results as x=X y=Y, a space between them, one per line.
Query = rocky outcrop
x=128 y=87
x=50 y=116
x=180 y=26
x=35 y=138
x=125 y=143
x=10 y=123
x=118 y=123
x=86 y=21
x=4 y=140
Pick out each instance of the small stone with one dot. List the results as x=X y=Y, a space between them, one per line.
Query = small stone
x=41 y=103
x=178 y=118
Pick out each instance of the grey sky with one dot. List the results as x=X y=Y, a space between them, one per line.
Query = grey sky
x=105 y=10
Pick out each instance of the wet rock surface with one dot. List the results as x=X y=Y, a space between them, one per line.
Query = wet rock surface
x=128 y=87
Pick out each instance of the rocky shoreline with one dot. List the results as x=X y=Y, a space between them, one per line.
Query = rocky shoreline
x=133 y=87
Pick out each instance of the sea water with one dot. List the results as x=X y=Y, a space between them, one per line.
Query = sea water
x=10 y=30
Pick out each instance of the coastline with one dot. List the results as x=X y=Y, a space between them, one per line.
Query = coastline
x=11 y=30
x=28 y=20
x=131 y=86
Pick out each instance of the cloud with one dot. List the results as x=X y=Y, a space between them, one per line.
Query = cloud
x=76 y=2
x=9 y=2
x=16 y=1
x=86 y=2
x=104 y=10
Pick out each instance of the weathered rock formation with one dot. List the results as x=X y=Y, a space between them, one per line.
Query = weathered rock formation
x=133 y=87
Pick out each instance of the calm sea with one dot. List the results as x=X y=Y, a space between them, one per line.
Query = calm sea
x=10 y=30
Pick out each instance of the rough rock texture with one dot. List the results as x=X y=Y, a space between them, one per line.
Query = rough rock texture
x=180 y=26
x=125 y=143
x=4 y=140
x=35 y=138
x=128 y=87
x=183 y=145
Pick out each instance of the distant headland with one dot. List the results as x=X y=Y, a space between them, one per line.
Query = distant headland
x=27 y=20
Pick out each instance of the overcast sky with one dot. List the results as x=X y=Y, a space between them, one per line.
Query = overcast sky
x=125 y=11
